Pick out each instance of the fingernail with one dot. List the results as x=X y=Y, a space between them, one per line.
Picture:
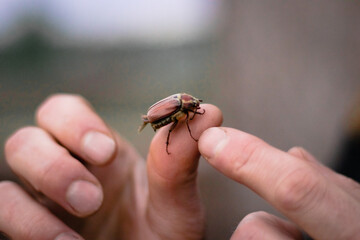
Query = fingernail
x=212 y=141
x=98 y=147
x=68 y=236
x=84 y=197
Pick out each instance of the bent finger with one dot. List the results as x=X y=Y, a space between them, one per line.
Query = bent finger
x=35 y=156
x=175 y=206
x=347 y=184
x=262 y=226
x=71 y=120
x=292 y=186
x=23 y=218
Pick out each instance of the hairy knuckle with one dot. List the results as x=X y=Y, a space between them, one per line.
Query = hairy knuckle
x=299 y=189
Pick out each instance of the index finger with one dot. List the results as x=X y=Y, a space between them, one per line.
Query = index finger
x=73 y=122
x=291 y=185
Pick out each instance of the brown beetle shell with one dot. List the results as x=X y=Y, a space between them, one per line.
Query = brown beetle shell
x=164 y=108
x=171 y=110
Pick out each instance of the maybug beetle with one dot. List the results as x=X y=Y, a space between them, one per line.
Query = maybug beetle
x=171 y=110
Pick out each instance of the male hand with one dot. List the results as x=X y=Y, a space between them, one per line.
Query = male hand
x=85 y=181
x=314 y=198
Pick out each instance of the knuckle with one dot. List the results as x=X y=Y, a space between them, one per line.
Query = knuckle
x=58 y=169
x=301 y=188
x=18 y=139
x=7 y=186
x=297 y=150
x=9 y=198
x=55 y=101
x=301 y=152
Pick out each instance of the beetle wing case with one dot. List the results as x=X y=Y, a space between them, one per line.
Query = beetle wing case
x=164 y=108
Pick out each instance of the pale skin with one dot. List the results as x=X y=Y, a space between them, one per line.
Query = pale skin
x=97 y=186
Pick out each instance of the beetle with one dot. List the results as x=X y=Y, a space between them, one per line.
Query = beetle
x=171 y=110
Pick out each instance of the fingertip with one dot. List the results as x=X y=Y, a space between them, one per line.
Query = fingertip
x=72 y=121
x=183 y=149
x=229 y=150
x=16 y=140
x=84 y=197
x=52 y=103
x=21 y=217
x=212 y=141
x=98 y=147
x=214 y=114
x=259 y=224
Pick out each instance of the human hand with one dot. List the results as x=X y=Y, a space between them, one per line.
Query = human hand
x=84 y=178
x=324 y=204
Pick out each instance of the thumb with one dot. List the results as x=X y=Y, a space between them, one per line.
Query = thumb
x=175 y=210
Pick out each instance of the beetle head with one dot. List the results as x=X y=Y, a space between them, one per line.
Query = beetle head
x=190 y=102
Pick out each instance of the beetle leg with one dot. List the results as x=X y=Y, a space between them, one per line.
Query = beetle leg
x=196 y=112
x=193 y=115
x=153 y=127
x=201 y=113
x=187 y=124
x=168 y=136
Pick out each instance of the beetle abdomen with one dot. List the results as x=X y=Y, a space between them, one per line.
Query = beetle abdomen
x=161 y=123
x=165 y=121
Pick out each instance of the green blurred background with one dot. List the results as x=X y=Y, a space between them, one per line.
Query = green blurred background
x=287 y=72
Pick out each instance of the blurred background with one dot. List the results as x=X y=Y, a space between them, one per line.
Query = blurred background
x=285 y=71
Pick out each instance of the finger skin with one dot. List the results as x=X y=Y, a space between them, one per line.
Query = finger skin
x=291 y=185
x=346 y=184
x=34 y=155
x=174 y=205
x=262 y=226
x=22 y=218
x=72 y=121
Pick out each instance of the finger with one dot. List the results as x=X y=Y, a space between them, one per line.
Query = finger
x=302 y=154
x=22 y=218
x=71 y=120
x=343 y=182
x=290 y=185
x=50 y=169
x=262 y=226
x=174 y=206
